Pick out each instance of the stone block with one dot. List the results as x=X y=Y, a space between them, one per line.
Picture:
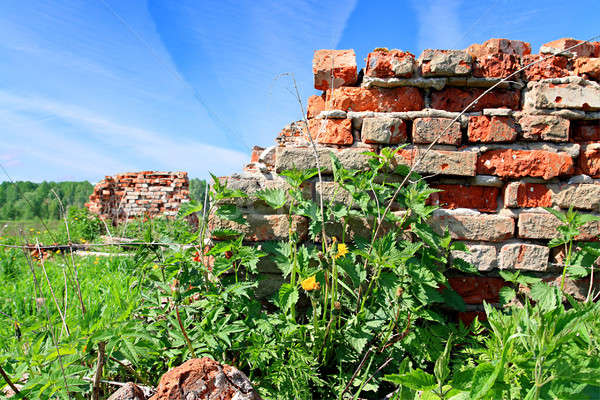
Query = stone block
x=589 y=159
x=477 y=289
x=332 y=191
x=553 y=67
x=376 y=99
x=482 y=198
x=303 y=158
x=485 y=129
x=588 y=68
x=482 y=256
x=445 y=63
x=390 y=64
x=383 y=130
x=579 y=94
x=544 y=127
x=524 y=256
x=425 y=130
x=496 y=46
x=261 y=227
x=331 y=131
x=483 y=227
x=457 y=99
x=519 y=163
x=338 y=66
x=498 y=65
x=543 y=226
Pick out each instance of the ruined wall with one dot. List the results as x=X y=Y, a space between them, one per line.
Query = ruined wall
x=531 y=142
x=138 y=194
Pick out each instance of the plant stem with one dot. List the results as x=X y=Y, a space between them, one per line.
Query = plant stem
x=187 y=339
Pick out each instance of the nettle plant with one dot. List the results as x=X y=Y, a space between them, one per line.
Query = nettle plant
x=351 y=308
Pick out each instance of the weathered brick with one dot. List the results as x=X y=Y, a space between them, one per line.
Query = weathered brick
x=456 y=99
x=543 y=226
x=578 y=288
x=331 y=131
x=383 y=130
x=263 y=227
x=303 y=158
x=476 y=290
x=523 y=194
x=332 y=191
x=588 y=68
x=482 y=198
x=467 y=317
x=390 y=63
x=482 y=256
x=589 y=159
x=316 y=104
x=519 y=163
x=487 y=129
x=586 y=131
x=582 y=196
x=584 y=50
x=376 y=99
x=445 y=63
x=553 y=67
x=544 y=127
x=524 y=256
x=339 y=64
x=496 y=46
x=425 y=130
x=440 y=162
x=579 y=94
x=484 y=227
x=496 y=65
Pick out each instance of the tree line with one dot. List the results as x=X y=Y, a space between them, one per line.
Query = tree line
x=25 y=200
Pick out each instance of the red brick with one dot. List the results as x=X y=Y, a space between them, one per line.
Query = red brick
x=585 y=50
x=499 y=46
x=519 y=163
x=522 y=194
x=553 y=67
x=474 y=290
x=455 y=99
x=390 y=63
x=467 y=317
x=487 y=129
x=482 y=198
x=588 y=68
x=589 y=160
x=341 y=64
x=425 y=130
x=376 y=99
x=587 y=131
x=316 y=104
x=256 y=150
x=331 y=131
x=496 y=65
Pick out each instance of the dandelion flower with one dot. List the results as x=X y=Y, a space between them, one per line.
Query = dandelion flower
x=342 y=250
x=310 y=284
x=155 y=266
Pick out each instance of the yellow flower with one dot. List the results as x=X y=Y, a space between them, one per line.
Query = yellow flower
x=342 y=250
x=310 y=284
x=155 y=266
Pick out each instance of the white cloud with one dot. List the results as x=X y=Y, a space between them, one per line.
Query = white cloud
x=439 y=23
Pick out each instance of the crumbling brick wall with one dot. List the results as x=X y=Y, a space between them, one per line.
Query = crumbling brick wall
x=532 y=142
x=138 y=194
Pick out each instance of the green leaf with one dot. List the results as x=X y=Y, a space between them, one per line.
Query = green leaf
x=483 y=379
x=558 y=214
x=544 y=295
x=582 y=219
x=231 y=213
x=509 y=276
x=275 y=198
x=453 y=299
x=465 y=266
x=415 y=380
x=188 y=208
x=288 y=296
x=507 y=294
x=441 y=370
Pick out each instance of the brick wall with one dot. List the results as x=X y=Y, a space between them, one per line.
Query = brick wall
x=138 y=194
x=531 y=142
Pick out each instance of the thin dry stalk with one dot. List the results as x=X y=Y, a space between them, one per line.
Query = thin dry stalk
x=98 y=374
x=62 y=317
x=10 y=383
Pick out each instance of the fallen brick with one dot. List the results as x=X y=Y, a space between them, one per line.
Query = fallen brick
x=390 y=64
x=445 y=63
x=425 y=130
x=524 y=256
x=486 y=129
x=456 y=99
x=376 y=99
x=383 y=130
x=338 y=66
x=519 y=163
x=482 y=198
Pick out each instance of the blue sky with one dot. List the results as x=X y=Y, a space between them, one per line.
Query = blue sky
x=95 y=87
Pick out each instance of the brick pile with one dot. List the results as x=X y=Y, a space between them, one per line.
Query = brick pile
x=139 y=194
x=532 y=142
